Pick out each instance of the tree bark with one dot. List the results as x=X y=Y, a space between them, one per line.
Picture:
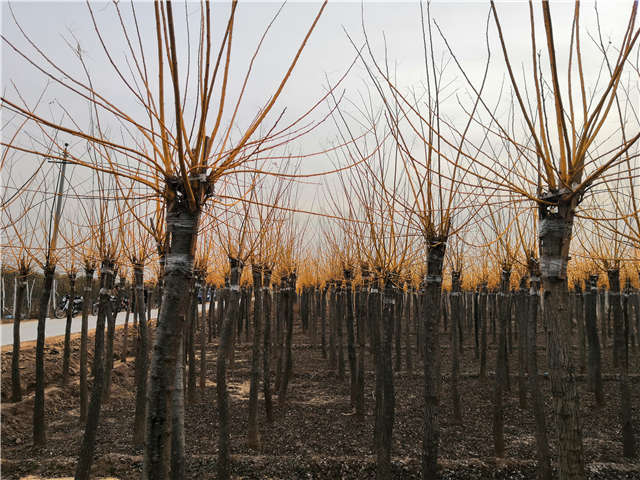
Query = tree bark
x=388 y=394
x=182 y=225
x=407 y=313
x=398 y=330
x=482 y=314
x=253 y=439
x=521 y=319
x=226 y=333
x=554 y=233
x=323 y=319
x=142 y=359
x=431 y=317
x=339 y=323
x=455 y=299
x=288 y=354
x=86 y=306
x=594 y=363
x=626 y=419
x=177 y=411
x=501 y=364
x=383 y=458
x=204 y=320
x=111 y=331
x=191 y=339
x=16 y=388
x=83 y=469
x=361 y=309
x=39 y=421
x=543 y=471
x=351 y=349
x=266 y=354
x=66 y=359
x=125 y=340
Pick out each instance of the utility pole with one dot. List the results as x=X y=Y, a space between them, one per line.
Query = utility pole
x=56 y=219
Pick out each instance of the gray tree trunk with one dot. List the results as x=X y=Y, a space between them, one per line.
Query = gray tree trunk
x=39 y=421
x=266 y=354
x=431 y=318
x=226 y=334
x=16 y=388
x=66 y=358
x=86 y=307
x=182 y=226
x=142 y=359
x=253 y=439
x=83 y=468
x=456 y=312
x=501 y=364
x=544 y=471
x=594 y=363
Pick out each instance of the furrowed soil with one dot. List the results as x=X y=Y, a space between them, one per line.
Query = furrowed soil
x=316 y=435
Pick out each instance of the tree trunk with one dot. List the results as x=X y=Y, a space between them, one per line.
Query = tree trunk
x=521 y=318
x=582 y=354
x=476 y=324
x=501 y=365
x=125 y=340
x=431 y=316
x=39 y=422
x=594 y=364
x=361 y=309
x=388 y=393
x=323 y=319
x=266 y=354
x=182 y=225
x=83 y=469
x=456 y=312
x=383 y=459
x=554 y=232
x=191 y=340
x=333 y=358
x=111 y=331
x=398 y=330
x=66 y=359
x=544 y=471
x=142 y=359
x=621 y=319
x=351 y=349
x=253 y=439
x=407 y=313
x=211 y=314
x=602 y=317
x=204 y=320
x=288 y=354
x=281 y=297
x=616 y=317
x=482 y=314
x=339 y=323
x=86 y=307
x=16 y=388
x=226 y=334
x=177 y=411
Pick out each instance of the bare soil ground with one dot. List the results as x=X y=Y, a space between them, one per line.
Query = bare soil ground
x=317 y=436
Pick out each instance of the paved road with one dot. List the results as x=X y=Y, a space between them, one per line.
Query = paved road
x=54 y=327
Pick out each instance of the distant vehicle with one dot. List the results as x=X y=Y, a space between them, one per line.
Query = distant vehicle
x=61 y=309
x=208 y=295
x=124 y=304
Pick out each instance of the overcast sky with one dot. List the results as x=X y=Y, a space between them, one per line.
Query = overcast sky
x=51 y=25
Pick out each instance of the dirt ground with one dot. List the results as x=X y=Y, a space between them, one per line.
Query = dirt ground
x=317 y=436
